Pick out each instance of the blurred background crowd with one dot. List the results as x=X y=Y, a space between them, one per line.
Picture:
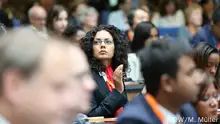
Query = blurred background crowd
x=113 y=35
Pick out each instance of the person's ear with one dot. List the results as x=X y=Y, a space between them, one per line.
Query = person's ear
x=166 y=83
x=12 y=85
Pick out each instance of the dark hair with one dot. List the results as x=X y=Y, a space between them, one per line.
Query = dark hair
x=202 y=52
x=130 y=17
x=216 y=15
x=72 y=9
x=141 y=34
x=121 y=2
x=203 y=2
x=217 y=77
x=164 y=3
x=53 y=13
x=159 y=58
x=121 y=47
x=72 y=30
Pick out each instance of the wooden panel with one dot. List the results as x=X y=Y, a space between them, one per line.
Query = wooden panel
x=102 y=119
x=47 y=3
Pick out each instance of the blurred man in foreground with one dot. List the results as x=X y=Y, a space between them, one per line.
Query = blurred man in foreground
x=41 y=81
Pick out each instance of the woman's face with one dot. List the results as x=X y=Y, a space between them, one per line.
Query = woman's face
x=103 y=45
x=170 y=8
x=212 y=65
x=153 y=36
x=61 y=22
x=196 y=17
x=207 y=107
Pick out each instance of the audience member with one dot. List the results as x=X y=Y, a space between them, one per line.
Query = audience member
x=27 y=7
x=210 y=33
x=57 y=20
x=74 y=33
x=43 y=85
x=208 y=7
x=37 y=16
x=106 y=50
x=207 y=59
x=119 y=18
x=193 y=15
x=135 y=17
x=169 y=15
x=88 y=18
x=72 y=20
x=145 y=32
x=170 y=83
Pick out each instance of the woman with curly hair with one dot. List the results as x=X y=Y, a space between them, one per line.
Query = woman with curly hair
x=106 y=49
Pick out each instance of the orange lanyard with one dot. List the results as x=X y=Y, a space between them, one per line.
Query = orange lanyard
x=155 y=107
x=110 y=84
x=130 y=36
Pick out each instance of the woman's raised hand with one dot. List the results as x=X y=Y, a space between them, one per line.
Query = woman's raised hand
x=118 y=78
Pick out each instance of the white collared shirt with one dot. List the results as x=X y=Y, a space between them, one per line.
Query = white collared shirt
x=42 y=32
x=3 y=120
x=169 y=116
x=103 y=75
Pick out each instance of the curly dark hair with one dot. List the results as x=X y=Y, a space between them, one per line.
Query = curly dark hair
x=121 y=48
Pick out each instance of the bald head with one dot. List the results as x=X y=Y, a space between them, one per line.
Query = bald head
x=37 y=16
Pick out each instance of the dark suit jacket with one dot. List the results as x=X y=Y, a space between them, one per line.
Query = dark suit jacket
x=104 y=102
x=138 y=111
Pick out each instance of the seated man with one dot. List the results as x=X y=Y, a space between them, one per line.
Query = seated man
x=170 y=84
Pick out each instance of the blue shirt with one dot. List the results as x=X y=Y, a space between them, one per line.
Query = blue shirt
x=205 y=35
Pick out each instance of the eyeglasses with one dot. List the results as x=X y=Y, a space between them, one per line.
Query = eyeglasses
x=209 y=99
x=99 y=42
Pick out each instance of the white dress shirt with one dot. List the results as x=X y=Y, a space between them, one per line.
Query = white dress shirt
x=3 y=120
